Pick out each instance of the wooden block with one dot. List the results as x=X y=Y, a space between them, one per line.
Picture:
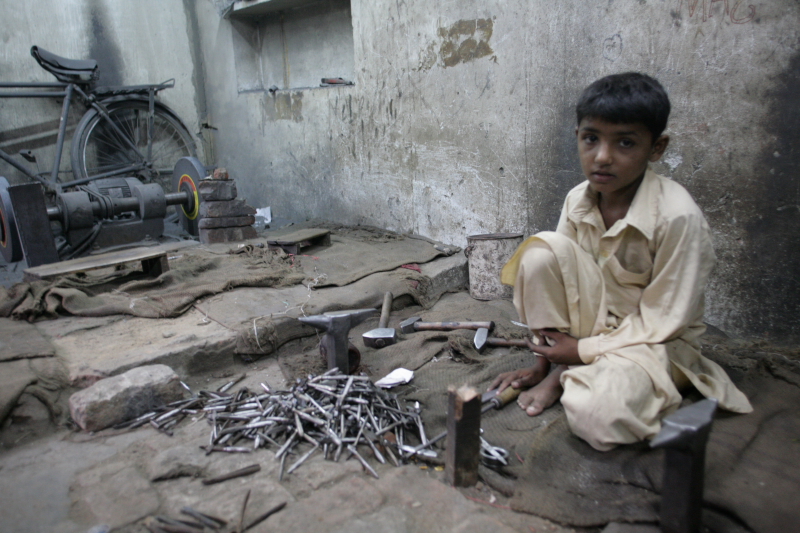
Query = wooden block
x=292 y=243
x=463 y=448
x=218 y=235
x=227 y=208
x=155 y=266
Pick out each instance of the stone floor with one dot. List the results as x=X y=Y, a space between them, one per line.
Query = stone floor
x=56 y=478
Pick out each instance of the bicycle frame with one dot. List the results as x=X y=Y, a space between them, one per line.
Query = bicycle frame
x=67 y=91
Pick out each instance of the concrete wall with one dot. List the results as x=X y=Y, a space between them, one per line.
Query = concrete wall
x=146 y=41
x=461 y=122
x=461 y=117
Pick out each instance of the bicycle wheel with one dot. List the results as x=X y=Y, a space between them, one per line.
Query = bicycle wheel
x=100 y=149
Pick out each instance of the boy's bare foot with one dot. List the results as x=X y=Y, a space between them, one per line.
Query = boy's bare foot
x=522 y=378
x=534 y=401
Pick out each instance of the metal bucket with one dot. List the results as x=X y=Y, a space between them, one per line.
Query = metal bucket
x=486 y=255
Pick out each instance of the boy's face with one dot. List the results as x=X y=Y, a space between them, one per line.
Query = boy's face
x=615 y=156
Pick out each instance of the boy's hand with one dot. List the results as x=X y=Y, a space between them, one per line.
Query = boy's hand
x=564 y=350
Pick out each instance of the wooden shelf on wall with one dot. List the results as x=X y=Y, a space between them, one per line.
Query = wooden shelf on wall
x=256 y=8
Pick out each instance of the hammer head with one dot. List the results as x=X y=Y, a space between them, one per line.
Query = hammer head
x=407 y=325
x=380 y=337
x=338 y=321
x=480 y=339
x=688 y=427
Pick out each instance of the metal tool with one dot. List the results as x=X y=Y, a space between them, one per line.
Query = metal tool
x=493 y=456
x=414 y=323
x=334 y=346
x=684 y=435
x=482 y=340
x=497 y=400
x=382 y=335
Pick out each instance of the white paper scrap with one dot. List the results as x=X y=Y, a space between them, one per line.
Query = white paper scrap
x=395 y=377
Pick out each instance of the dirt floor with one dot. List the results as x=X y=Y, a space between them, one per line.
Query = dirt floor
x=54 y=477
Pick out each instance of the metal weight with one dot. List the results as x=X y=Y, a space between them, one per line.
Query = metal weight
x=10 y=243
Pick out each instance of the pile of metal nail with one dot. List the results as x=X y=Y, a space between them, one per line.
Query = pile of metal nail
x=165 y=417
x=332 y=413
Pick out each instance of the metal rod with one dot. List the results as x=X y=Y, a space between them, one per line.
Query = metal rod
x=266 y=515
x=62 y=130
x=24 y=94
x=246 y=471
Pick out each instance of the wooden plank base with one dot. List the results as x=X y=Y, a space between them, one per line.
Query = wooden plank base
x=154 y=263
x=294 y=242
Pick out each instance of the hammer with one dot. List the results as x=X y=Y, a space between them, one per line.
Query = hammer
x=382 y=335
x=482 y=340
x=413 y=324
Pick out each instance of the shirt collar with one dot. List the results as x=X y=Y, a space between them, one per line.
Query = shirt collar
x=641 y=214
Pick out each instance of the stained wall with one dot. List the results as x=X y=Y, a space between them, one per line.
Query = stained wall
x=460 y=120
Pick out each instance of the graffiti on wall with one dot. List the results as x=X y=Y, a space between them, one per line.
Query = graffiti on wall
x=612 y=47
x=736 y=11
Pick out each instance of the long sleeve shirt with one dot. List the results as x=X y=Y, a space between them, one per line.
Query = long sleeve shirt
x=655 y=263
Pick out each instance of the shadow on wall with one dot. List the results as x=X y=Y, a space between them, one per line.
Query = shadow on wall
x=103 y=47
x=774 y=254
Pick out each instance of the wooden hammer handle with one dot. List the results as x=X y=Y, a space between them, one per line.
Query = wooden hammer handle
x=385 y=310
x=496 y=341
x=508 y=395
x=452 y=325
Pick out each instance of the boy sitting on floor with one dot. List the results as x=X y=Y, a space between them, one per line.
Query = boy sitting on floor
x=615 y=294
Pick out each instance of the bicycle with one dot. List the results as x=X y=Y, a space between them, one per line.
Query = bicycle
x=124 y=134
x=125 y=131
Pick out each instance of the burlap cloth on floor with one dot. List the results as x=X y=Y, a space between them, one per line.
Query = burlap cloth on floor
x=354 y=253
x=193 y=274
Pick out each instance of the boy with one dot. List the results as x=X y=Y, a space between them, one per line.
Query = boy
x=615 y=294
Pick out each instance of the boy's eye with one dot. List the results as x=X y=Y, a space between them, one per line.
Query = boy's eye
x=590 y=138
x=626 y=143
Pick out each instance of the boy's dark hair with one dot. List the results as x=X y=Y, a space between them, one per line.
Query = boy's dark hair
x=626 y=98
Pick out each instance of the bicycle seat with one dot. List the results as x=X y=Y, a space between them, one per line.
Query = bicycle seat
x=81 y=71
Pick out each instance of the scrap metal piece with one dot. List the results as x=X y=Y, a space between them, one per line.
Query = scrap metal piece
x=684 y=435
x=264 y=516
x=246 y=471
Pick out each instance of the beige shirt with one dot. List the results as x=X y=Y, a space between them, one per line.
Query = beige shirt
x=655 y=262
x=648 y=308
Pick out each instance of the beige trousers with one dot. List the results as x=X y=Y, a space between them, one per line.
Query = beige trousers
x=620 y=397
